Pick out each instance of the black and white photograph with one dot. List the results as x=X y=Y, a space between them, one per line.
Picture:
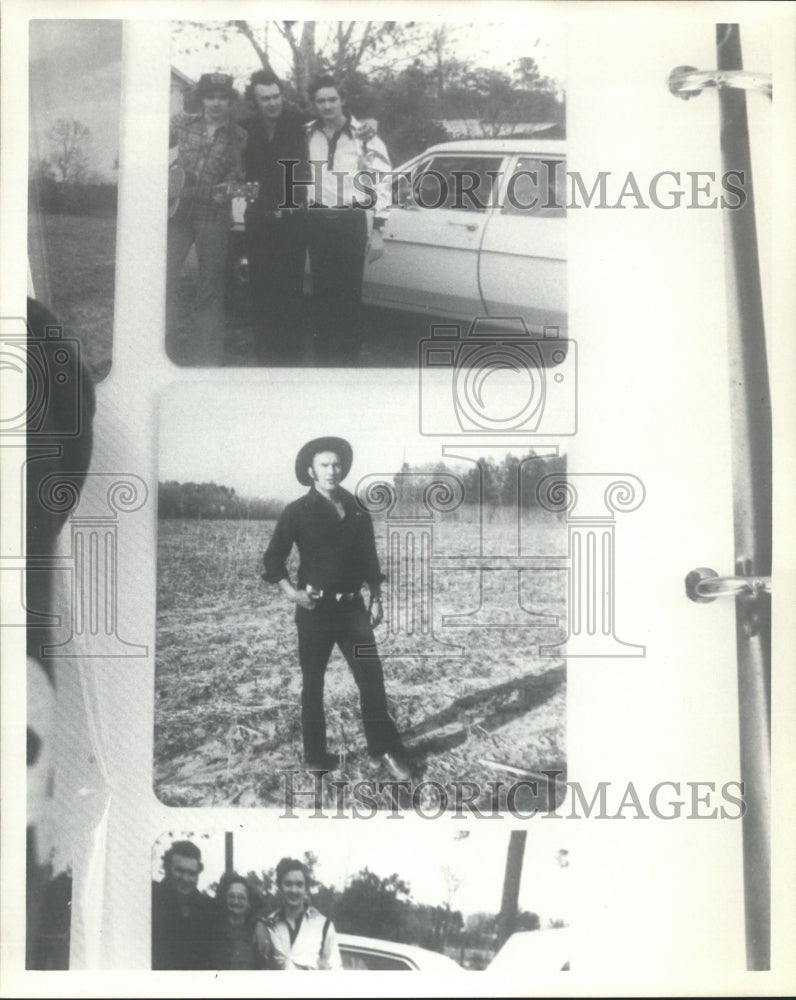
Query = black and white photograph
x=396 y=453
x=345 y=603
x=423 y=900
x=340 y=185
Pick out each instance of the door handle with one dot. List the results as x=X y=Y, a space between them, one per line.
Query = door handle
x=469 y=226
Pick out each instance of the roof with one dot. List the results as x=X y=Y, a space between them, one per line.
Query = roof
x=503 y=145
x=464 y=127
x=422 y=957
x=180 y=77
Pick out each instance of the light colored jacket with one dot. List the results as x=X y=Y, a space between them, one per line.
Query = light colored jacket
x=314 y=945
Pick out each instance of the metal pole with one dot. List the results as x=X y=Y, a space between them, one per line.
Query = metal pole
x=511 y=885
x=750 y=408
x=228 y=854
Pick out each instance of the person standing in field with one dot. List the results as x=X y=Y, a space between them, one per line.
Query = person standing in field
x=209 y=157
x=276 y=235
x=348 y=209
x=337 y=557
x=297 y=936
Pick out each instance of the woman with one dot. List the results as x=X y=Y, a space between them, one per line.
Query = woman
x=237 y=908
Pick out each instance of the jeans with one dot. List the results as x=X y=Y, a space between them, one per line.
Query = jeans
x=202 y=342
x=277 y=251
x=337 y=242
x=348 y=625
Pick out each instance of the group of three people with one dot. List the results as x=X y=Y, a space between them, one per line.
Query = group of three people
x=317 y=190
x=235 y=930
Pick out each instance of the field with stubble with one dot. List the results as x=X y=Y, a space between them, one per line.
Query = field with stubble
x=228 y=683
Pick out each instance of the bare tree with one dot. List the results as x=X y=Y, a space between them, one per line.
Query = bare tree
x=342 y=48
x=70 y=150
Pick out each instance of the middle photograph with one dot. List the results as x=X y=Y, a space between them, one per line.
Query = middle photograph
x=355 y=614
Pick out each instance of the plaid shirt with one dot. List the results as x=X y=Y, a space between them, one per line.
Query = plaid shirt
x=207 y=161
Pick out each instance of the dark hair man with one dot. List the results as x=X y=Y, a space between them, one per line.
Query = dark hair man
x=337 y=555
x=347 y=206
x=209 y=148
x=182 y=917
x=297 y=936
x=276 y=238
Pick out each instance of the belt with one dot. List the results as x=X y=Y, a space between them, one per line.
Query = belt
x=276 y=213
x=329 y=595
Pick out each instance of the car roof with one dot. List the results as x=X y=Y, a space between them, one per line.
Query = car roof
x=421 y=956
x=505 y=145
x=542 y=950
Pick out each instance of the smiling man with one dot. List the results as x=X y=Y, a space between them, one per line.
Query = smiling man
x=276 y=238
x=297 y=936
x=181 y=915
x=337 y=557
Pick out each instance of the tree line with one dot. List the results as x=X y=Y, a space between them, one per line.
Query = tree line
x=382 y=907
x=495 y=486
x=205 y=501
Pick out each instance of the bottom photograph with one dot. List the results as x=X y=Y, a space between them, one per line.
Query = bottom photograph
x=414 y=899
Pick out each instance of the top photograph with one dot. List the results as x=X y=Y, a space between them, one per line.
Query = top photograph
x=335 y=189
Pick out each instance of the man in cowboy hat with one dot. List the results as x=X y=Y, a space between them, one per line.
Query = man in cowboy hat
x=337 y=555
x=209 y=148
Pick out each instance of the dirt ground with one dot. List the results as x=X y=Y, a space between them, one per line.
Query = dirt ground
x=228 y=685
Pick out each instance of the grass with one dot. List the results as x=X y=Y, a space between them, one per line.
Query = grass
x=73 y=263
x=228 y=683
x=72 y=259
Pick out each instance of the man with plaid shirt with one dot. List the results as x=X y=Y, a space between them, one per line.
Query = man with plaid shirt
x=209 y=149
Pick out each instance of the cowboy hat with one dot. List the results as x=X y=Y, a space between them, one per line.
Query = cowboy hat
x=339 y=446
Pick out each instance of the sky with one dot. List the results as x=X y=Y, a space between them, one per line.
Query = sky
x=246 y=436
x=420 y=852
x=75 y=72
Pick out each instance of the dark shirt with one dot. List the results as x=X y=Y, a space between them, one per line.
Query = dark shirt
x=181 y=940
x=265 y=162
x=336 y=555
x=234 y=946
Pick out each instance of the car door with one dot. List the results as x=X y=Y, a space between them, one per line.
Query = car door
x=523 y=259
x=432 y=238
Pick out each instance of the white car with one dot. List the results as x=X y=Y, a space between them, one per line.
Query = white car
x=534 y=951
x=363 y=953
x=477 y=228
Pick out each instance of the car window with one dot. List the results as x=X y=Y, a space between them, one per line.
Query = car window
x=461 y=182
x=373 y=961
x=536 y=187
